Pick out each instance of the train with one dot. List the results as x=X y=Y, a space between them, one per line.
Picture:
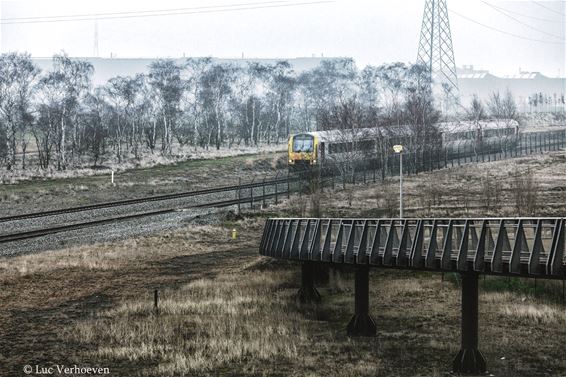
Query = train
x=319 y=149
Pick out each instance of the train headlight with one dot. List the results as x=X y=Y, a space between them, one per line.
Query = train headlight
x=290 y=161
x=314 y=161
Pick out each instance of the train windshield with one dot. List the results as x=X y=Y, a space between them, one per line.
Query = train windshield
x=303 y=144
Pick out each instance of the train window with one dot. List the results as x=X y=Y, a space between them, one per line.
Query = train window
x=303 y=144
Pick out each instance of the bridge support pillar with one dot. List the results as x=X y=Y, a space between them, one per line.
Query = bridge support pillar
x=470 y=359
x=308 y=293
x=361 y=323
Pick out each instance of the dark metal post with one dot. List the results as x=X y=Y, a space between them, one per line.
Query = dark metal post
x=239 y=194
x=263 y=191
x=333 y=180
x=252 y=194
x=276 y=193
x=469 y=359
x=361 y=323
x=452 y=157
x=288 y=186
x=374 y=174
x=156 y=301
x=307 y=293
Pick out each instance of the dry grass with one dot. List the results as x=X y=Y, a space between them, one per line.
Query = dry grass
x=240 y=318
x=537 y=313
x=472 y=190
x=112 y=256
x=202 y=326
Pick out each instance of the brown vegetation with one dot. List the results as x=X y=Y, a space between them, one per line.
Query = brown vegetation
x=223 y=310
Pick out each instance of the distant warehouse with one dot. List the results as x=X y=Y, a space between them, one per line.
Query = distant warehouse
x=533 y=91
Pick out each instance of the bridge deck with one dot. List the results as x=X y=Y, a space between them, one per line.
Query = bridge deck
x=530 y=247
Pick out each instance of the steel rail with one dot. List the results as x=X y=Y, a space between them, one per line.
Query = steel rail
x=80 y=225
x=144 y=200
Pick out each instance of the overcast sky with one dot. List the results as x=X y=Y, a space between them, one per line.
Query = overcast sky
x=372 y=32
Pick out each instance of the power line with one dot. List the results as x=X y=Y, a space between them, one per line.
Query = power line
x=521 y=22
x=547 y=8
x=525 y=15
x=227 y=9
x=502 y=31
x=137 y=12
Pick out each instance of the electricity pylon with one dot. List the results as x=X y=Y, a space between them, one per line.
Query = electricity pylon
x=435 y=46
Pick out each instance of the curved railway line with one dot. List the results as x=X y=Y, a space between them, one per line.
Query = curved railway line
x=148 y=199
x=272 y=185
x=61 y=220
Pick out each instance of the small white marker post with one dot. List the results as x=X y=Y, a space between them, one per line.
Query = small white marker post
x=112 y=177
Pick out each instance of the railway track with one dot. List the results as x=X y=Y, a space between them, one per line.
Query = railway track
x=148 y=199
x=249 y=189
x=12 y=237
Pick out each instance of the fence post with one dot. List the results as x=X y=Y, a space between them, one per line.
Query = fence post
x=239 y=194
x=353 y=175
x=263 y=192
x=288 y=186
x=252 y=194
x=333 y=176
x=374 y=167
x=156 y=301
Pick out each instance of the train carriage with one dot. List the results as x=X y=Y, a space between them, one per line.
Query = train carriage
x=328 y=149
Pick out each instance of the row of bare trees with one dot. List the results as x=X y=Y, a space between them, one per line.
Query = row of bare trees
x=60 y=120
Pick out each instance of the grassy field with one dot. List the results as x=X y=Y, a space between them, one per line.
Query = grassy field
x=35 y=195
x=224 y=310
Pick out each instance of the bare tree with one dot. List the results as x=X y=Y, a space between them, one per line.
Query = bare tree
x=215 y=91
x=502 y=107
x=165 y=79
x=17 y=83
x=476 y=112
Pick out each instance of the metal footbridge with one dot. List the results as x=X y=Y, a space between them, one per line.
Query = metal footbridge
x=525 y=247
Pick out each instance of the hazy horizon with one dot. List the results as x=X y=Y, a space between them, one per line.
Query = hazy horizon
x=528 y=35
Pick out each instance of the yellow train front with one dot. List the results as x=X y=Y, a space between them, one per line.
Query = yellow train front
x=303 y=152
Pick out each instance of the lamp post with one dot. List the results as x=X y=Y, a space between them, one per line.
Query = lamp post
x=399 y=150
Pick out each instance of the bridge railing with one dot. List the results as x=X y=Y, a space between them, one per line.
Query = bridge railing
x=527 y=247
